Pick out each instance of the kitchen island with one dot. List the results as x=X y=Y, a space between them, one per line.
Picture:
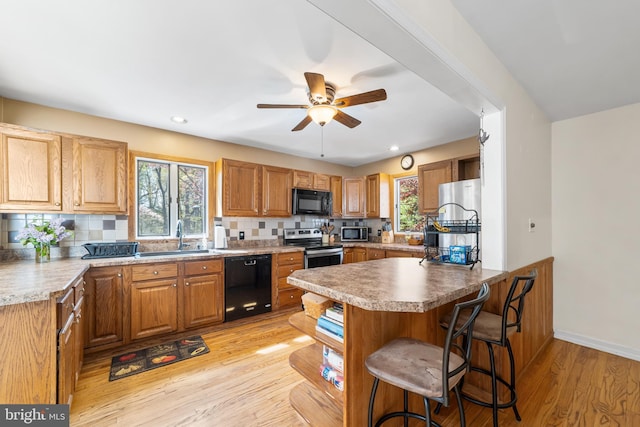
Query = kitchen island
x=382 y=300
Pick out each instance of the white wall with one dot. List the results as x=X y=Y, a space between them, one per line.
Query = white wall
x=596 y=229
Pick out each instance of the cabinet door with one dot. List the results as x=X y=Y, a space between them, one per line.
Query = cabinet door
x=377 y=199
x=276 y=191
x=430 y=176
x=203 y=301
x=353 y=197
x=154 y=308
x=321 y=182
x=302 y=179
x=241 y=184
x=359 y=254
x=336 y=194
x=99 y=176
x=103 y=296
x=66 y=356
x=31 y=168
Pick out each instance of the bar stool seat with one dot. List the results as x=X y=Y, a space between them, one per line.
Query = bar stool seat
x=426 y=369
x=494 y=329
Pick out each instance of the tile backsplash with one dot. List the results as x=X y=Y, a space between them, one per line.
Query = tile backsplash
x=111 y=228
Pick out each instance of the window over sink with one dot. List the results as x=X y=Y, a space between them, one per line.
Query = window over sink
x=168 y=190
x=408 y=218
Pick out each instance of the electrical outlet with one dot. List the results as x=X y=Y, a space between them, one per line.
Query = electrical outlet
x=532 y=226
x=241 y=235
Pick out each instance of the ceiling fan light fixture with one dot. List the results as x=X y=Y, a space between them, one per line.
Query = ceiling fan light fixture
x=322 y=113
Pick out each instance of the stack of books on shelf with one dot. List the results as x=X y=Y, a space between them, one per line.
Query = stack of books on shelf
x=330 y=323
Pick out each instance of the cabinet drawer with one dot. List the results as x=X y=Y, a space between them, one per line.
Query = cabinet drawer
x=202 y=267
x=64 y=308
x=78 y=291
x=289 y=297
x=285 y=270
x=153 y=271
x=291 y=258
x=375 y=253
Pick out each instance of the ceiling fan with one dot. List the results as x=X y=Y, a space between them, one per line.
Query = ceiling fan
x=324 y=108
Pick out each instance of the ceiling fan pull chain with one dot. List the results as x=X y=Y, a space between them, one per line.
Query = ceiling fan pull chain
x=321 y=141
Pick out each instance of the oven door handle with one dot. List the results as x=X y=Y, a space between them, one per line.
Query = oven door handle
x=323 y=252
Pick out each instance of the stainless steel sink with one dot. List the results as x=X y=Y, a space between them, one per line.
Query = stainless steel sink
x=176 y=252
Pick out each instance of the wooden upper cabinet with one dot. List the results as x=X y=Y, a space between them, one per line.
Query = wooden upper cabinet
x=31 y=167
x=240 y=188
x=311 y=181
x=336 y=196
x=353 y=194
x=321 y=182
x=99 y=176
x=302 y=179
x=276 y=191
x=377 y=196
x=430 y=176
x=466 y=168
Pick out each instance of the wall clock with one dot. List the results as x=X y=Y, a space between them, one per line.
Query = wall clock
x=406 y=162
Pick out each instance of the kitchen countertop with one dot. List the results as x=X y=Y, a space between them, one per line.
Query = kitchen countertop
x=394 y=284
x=25 y=281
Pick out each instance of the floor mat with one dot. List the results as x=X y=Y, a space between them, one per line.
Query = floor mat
x=135 y=362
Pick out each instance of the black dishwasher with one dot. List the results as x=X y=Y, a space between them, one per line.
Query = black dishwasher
x=247 y=286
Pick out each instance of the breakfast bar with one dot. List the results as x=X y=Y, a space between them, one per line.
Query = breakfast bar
x=382 y=299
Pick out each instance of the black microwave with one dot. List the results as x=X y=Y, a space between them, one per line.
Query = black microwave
x=311 y=202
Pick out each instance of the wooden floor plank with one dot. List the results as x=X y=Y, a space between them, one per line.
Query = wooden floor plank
x=246 y=380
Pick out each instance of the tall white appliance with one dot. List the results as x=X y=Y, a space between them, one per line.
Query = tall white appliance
x=467 y=195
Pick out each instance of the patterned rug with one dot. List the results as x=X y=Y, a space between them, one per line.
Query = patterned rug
x=135 y=362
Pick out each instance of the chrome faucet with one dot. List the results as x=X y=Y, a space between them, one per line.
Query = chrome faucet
x=179 y=235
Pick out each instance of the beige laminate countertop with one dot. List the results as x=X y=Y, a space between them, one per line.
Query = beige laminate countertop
x=394 y=284
x=25 y=281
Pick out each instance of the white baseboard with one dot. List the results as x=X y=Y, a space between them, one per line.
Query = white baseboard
x=618 y=350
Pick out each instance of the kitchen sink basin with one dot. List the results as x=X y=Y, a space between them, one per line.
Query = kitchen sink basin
x=176 y=252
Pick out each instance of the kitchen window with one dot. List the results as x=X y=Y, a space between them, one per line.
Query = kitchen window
x=408 y=218
x=167 y=191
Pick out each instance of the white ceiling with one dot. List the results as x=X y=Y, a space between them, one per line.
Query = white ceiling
x=213 y=61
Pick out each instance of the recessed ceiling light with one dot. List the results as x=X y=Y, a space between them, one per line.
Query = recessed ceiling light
x=178 y=119
x=394 y=148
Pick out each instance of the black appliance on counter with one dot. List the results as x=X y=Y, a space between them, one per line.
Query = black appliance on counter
x=311 y=202
x=316 y=253
x=247 y=286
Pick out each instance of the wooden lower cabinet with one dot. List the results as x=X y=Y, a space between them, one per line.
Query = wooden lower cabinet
x=283 y=265
x=154 y=307
x=354 y=255
x=104 y=307
x=373 y=253
x=203 y=300
x=70 y=348
x=390 y=253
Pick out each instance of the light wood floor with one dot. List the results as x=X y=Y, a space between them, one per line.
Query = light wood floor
x=245 y=381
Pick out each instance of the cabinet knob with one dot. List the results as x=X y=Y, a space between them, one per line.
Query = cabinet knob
x=186 y=284
x=155 y=272
x=291 y=296
x=291 y=270
x=76 y=204
x=204 y=267
x=175 y=285
x=57 y=203
x=119 y=274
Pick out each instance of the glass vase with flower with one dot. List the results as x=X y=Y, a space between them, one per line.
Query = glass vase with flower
x=41 y=236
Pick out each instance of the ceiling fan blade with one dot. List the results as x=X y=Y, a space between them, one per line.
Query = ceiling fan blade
x=282 y=106
x=317 y=87
x=346 y=119
x=303 y=124
x=361 y=98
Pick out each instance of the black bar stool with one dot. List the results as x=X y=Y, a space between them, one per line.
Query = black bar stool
x=493 y=329
x=426 y=369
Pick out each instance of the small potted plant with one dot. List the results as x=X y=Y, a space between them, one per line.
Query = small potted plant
x=42 y=236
